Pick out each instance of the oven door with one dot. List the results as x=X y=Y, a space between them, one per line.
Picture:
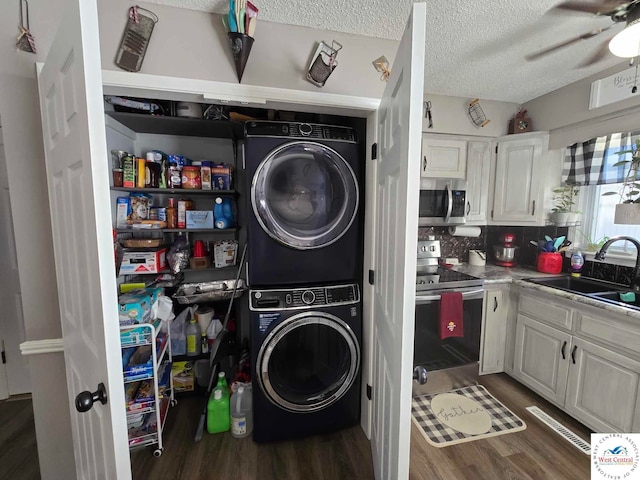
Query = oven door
x=435 y=353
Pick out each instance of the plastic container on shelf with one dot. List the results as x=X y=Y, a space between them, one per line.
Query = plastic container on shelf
x=223 y=213
x=194 y=336
x=218 y=419
x=241 y=413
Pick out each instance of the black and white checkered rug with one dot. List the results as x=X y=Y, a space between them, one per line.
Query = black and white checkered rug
x=438 y=434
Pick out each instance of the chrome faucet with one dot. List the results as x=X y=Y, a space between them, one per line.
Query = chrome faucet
x=601 y=254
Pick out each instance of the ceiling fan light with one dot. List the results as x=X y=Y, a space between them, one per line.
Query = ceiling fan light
x=626 y=44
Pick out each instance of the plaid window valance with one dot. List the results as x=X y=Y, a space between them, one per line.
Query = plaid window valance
x=591 y=162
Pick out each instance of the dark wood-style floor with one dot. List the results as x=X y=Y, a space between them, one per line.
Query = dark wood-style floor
x=18 y=449
x=536 y=453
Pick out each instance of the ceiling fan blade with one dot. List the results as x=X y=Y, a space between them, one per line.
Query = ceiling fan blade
x=599 y=54
x=597 y=8
x=566 y=43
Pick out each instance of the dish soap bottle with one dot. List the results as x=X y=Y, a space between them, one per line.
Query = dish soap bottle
x=577 y=261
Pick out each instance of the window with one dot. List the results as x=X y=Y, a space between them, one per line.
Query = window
x=597 y=219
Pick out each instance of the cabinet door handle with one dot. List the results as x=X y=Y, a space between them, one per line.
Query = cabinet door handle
x=468 y=208
x=495 y=303
x=424 y=163
x=533 y=208
x=562 y=350
x=573 y=354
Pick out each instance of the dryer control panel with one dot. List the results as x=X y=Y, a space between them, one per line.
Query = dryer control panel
x=301 y=130
x=298 y=298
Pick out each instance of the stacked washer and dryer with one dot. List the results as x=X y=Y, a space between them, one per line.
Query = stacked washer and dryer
x=304 y=266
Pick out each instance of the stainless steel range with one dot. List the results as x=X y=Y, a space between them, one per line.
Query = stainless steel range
x=445 y=363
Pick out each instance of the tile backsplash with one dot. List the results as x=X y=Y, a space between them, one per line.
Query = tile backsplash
x=526 y=255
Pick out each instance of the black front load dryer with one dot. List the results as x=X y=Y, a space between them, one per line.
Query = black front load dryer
x=306 y=357
x=305 y=204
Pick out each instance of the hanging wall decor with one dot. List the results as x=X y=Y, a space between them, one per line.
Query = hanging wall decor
x=26 y=42
x=477 y=115
x=135 y=39
x=323 y=63
x=240 y=23
x=381 y=64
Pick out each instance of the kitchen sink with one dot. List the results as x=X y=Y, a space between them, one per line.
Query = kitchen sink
x=614 y=297
x=578 y=284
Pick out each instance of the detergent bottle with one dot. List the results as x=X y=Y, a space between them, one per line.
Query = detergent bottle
x=223 y=213
x=218 y=419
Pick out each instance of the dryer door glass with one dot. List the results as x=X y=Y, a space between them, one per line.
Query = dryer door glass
x=305 y=195
x=308 y=362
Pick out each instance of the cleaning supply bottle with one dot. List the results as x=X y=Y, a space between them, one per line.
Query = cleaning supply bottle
x=194 y=336
x=218 y=419
x=241 y=413
x=223 y=213
x=577 y=261
x=222 y=384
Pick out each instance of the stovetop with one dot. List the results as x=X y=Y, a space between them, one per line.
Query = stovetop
x=446 y=278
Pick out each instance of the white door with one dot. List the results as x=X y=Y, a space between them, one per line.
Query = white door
x=70 y=85
x=396 y=236
x=14 y=374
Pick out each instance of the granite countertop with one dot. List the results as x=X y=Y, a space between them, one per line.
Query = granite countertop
x=494 y=274
x=576 y=297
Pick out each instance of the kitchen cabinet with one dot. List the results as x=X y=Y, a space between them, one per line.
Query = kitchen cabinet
x=519 y=180
x=478 y=171
x=568 y=353
x=443 y=157
x=540 y=360
x=495 y=310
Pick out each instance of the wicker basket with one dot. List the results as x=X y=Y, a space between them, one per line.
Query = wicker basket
x=142 y=242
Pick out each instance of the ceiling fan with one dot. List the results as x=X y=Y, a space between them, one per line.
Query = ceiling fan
x=625 y=44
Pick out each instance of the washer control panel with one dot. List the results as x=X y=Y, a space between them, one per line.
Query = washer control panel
x=304 y=297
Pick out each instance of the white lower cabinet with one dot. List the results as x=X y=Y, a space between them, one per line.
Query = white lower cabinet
x=592 y=380
x=540 y=358
x=494 y=327
x=602 y=389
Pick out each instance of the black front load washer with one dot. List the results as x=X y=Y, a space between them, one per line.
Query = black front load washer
x=306 y=357
x=305 y=204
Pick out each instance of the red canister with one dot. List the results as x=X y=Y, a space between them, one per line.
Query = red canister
x=549 y=262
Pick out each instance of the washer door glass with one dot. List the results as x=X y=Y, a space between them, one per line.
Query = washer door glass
x=305 y=195
x=308 y=362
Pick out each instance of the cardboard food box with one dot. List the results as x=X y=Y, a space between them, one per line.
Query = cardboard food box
x=221 y=177
x=199 y=218
x=143 y=262
x=134 y=308
x=183 y=377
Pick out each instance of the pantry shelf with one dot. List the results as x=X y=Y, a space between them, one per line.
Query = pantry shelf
x=178 y=230
x=181 y=126
x=178 y=191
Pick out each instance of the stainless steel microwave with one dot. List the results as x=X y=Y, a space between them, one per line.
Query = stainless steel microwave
x=442 y=202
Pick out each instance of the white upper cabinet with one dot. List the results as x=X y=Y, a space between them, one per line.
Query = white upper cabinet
x=443 y=157
x=478 y=170
x=519 y=179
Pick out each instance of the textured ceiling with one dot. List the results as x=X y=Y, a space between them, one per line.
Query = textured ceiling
x=475 y=48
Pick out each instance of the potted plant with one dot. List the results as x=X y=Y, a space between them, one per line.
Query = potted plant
x=628 y=209
x=562 y=213
x=592 y=245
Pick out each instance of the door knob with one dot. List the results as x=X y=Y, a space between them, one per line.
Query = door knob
x=420 y=375
x=86 y=399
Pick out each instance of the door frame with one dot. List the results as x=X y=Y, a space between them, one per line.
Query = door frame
x=183 y=89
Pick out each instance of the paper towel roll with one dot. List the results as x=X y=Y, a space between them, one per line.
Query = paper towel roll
x=464 y=231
